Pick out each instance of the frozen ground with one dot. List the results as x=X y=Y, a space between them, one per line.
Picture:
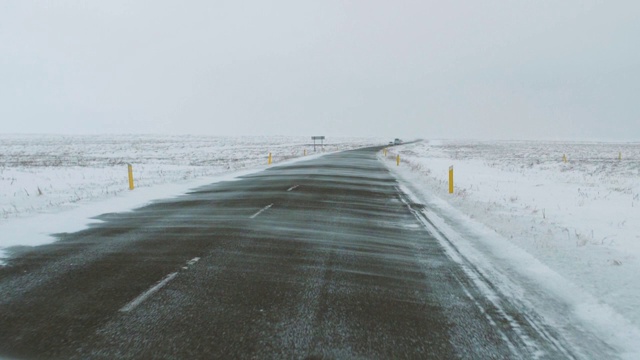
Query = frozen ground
x=53 y=183
x=571 y=227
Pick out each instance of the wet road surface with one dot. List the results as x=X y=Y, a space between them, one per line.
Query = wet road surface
x=319 y=259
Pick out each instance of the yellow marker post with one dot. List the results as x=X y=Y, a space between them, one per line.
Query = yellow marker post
x=385 y=152
x=270 y=159
x=305 y=152
x=620 y=155
x=451 y=179
x=564 y=157
x=398 y=160
x=130 y=177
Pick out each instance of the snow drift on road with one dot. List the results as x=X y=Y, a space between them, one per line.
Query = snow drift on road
x=55 y=183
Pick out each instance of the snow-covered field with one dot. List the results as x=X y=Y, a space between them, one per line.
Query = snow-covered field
x=572 y=228
x=47 y=181
x=578 y=221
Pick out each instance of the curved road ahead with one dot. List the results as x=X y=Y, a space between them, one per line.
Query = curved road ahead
x=319 y=259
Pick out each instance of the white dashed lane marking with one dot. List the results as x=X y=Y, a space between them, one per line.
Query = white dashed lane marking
x=261 y=211
x=145 y=295
x=191 y=262
x=154 y=289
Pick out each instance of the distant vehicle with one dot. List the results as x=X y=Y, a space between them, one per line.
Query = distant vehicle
x=397 y=141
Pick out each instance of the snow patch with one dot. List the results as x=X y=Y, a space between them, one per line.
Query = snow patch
x=55 y=184
x=553 y=230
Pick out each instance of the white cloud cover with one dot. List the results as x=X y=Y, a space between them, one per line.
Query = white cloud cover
x=456 y=69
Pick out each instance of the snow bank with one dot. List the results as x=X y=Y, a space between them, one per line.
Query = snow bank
x=578 y=218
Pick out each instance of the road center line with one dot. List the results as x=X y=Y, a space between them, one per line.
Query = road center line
x=191 y=262
x=145 y=295
x=261 y=211
x=293 y=187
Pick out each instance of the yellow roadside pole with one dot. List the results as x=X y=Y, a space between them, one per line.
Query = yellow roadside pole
x=270 y=159
x=564 y=158
x=451 y=179
x=305 y=152
x=620 y=155
x=385 y=152
x=398 y=160
x=130 y=177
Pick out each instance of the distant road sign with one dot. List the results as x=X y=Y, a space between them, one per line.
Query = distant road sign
x=314 y=138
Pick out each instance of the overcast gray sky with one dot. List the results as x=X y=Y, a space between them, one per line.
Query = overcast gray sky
x=561 y=69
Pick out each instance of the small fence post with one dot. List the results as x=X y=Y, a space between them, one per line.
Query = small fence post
x=398 y=160
x=270 y=159
x=451 y=179
x=130 y=176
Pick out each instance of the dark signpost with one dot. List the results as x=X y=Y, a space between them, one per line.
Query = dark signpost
x=314 y=138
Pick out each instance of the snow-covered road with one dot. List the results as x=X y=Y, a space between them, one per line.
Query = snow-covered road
x=349 y=265
x=55 y=183
x=523 y=226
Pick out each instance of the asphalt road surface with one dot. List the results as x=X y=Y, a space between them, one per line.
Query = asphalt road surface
x=320 y=259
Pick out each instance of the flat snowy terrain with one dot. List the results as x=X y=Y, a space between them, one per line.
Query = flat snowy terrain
x=571 y=225
x=54 y=183
x=520 y=212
